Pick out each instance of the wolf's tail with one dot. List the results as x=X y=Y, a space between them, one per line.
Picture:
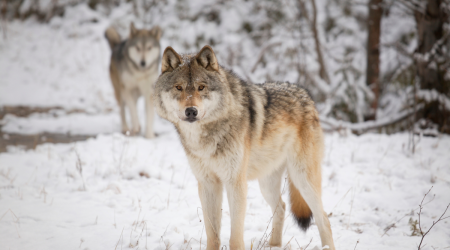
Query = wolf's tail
x=301 y=211
x=113 y=37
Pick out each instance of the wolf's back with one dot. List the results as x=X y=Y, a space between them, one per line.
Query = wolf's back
x=113 y=37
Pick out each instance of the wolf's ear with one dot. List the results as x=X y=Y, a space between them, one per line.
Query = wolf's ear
x=156 y=32
x=133 y=29
x=170 y=60
x=207 y=59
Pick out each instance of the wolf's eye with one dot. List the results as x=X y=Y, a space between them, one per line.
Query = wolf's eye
x=179 y=88
x=200 y=88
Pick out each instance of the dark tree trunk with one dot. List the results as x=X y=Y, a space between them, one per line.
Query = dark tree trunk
x=323 y=70
x=430 y=31
x=373 y=53
x=3 y=18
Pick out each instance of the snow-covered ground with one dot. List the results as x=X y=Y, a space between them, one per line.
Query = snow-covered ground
x=136 y=192
x=131 y=192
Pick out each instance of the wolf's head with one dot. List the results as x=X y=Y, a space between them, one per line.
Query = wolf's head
x=143 y=46
x=191 y=88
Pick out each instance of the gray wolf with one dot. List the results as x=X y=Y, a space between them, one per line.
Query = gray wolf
x=133 y=71
x=233 y=131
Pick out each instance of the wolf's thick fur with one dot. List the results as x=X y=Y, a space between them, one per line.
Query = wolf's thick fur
x=133 y=71
x=233 y=131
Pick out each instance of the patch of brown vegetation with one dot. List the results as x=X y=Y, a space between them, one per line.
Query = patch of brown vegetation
x=31 y=141
x=24 y=111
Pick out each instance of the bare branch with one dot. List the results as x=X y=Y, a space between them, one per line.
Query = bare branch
x=434 y=222
x=261 y=54
x=412 y=5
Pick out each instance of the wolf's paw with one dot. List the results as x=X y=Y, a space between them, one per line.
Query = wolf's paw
x=270 y=245
x=135 y=131
x=125 y=129
x=273 y=244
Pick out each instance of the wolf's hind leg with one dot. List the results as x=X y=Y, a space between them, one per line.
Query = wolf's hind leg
x=270 y=188
x=308 y=181
x=210 y=193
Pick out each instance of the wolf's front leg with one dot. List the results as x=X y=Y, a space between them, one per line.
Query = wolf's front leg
x=131 y=100
x=237 y=199
x=123 y=119
x=210 y=192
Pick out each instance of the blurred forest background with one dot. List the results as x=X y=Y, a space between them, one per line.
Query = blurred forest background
x=70 y=179
x=370 y=65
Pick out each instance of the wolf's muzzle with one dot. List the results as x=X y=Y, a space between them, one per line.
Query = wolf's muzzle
x=191 y=114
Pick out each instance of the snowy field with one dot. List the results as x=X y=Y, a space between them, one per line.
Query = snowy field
x=119 y=192
x=139 y=193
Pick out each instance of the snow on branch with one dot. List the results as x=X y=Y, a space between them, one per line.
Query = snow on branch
x=425 y=95
x=433 y=95
x=428 y=57
x=332 y=124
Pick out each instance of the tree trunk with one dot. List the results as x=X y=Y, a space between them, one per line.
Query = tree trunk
x=323 y=70
x=373 y=53
x=430 y=31
x=3 y=20
x=323 y=73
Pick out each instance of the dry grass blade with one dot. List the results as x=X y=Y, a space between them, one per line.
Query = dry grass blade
x=12 y=216
x=286 y=246
x=187 y=245
x=301 y=248
x=201 y=236
x=356 y=244
x=120 y=237
x=79 y=166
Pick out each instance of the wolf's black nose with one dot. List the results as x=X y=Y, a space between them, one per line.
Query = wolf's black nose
x=142 y=63
x=191 y=112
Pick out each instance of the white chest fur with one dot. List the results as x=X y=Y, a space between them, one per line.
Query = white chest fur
x=142 y=79
x=203 y=156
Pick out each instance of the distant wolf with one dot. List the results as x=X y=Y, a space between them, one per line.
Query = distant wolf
x=133 y=71
x=233 y=131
